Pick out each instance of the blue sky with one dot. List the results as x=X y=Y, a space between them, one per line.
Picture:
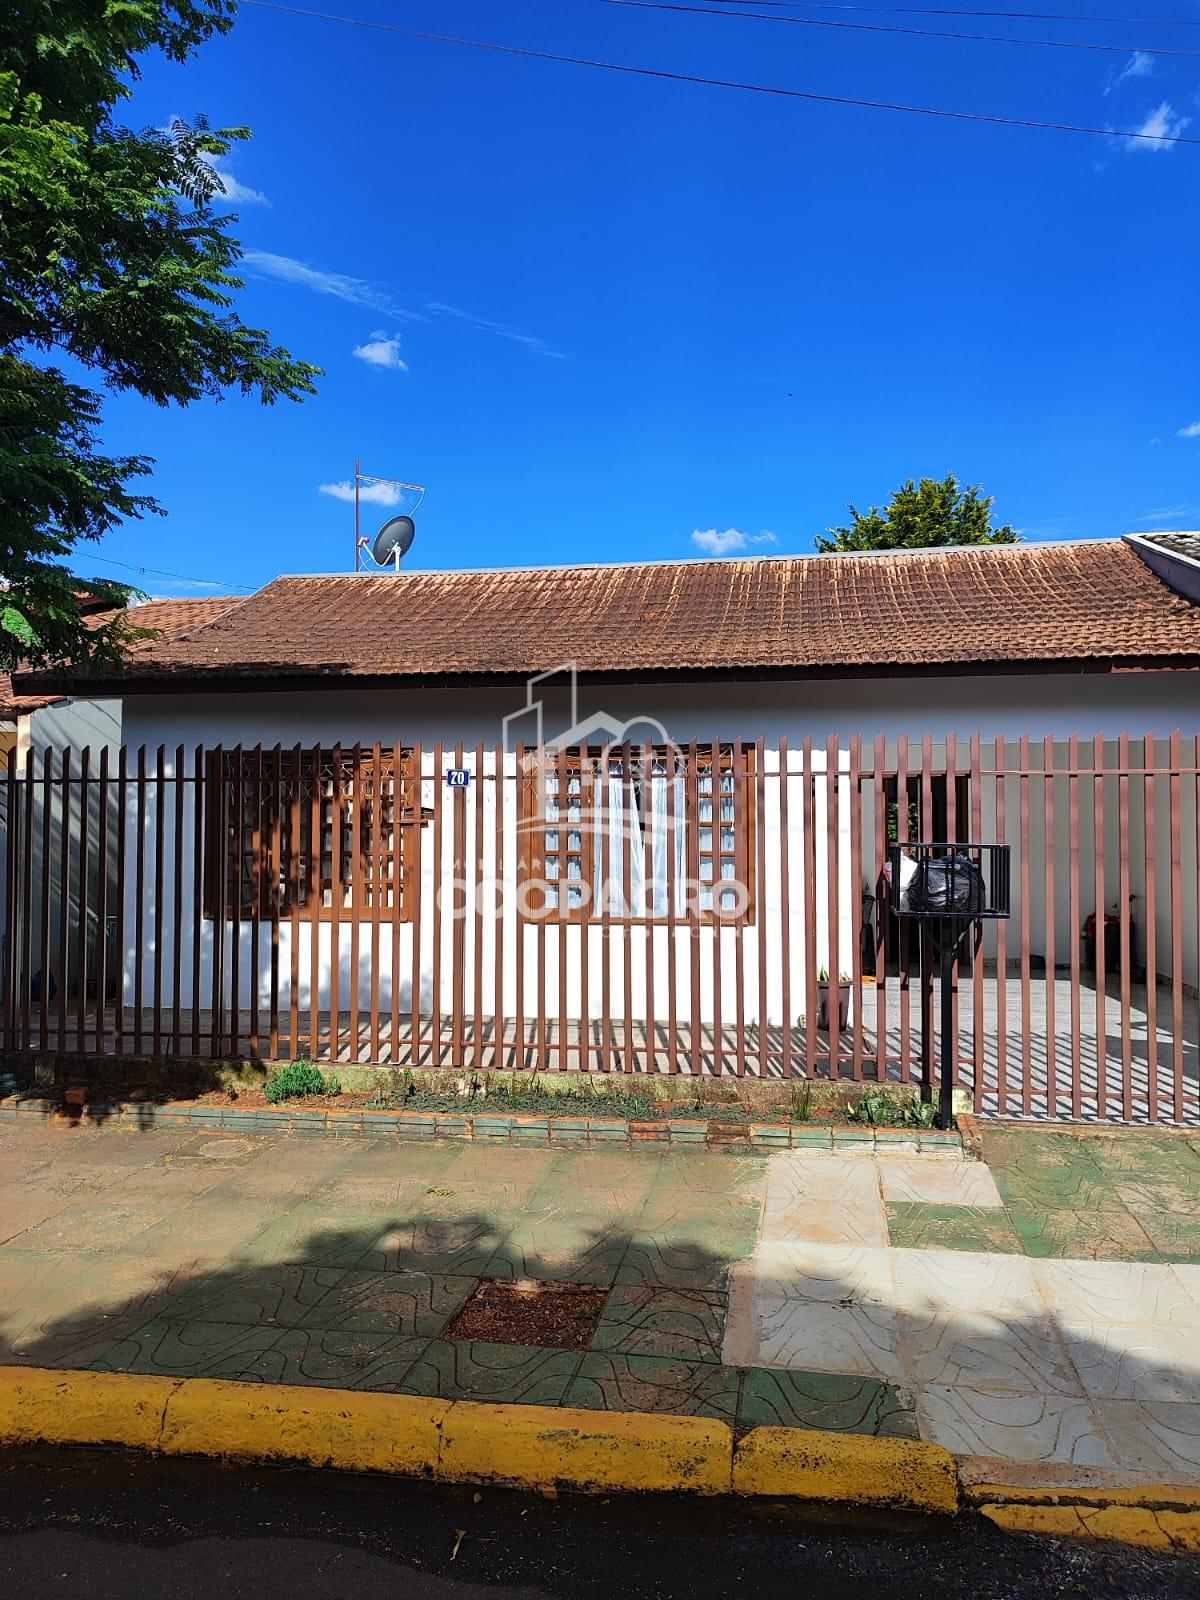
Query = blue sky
x=598 y=314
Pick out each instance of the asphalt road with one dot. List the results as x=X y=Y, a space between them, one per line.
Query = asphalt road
x=107 y=1527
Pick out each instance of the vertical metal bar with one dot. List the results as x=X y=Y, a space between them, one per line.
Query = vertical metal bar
x=527 y=823
x=100 y=1039
x=1000 y=765
x=587 y=860
x=562 y=920
x=275 y=863
x=379 y=782
x=1100 y=943
x=177 y=790
x=222 y=848
x=952 y=831
x=408 y=852
x=809 y=844
x=1176 y=930
x=1026 y=998
x=760 y=900
x=854 y=800
x=200 y=799
x=295 y=771
x=1048 y=780
x=540 y=1030
x=977 y=964
x=1126 y=932
x=47 y=854
x=740 y=791
x=927 y=828
x=833 y=902
x=160 y=828
x=458 y=942
x=357 y=899
x=879 y=804
x=500 y=903
x=477 y=902
x=256 y=893
x=691 y=839
x=1149 y=759
x=64 y=901
x=81 y=965
x=714 y=912
x=903 y=936
x=11 y=958
x=628 y=1053
x=337 y=890
x=785 y=910
x=316 y=898
x=26 y=912
x=236 y=900
x=674 y=822
x=1073 y=914
x=649 y=896
x=606 y=1033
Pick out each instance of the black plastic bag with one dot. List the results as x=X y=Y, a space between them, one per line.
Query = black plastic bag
x=947 y=886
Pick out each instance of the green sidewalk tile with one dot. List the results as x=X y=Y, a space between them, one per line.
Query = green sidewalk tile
x=412 y=1303
x=344 y=1359
x=457 y=1369
x=839 y=1404
x=913 y=1225
x=1174 y=1238
x=196 y=1350
x=681 y=1323
x=614 y=1382
x=1091 y=1236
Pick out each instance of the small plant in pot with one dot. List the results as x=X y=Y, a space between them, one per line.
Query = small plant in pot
x=843 y=997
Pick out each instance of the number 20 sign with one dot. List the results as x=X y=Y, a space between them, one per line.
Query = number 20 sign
x=457 y=777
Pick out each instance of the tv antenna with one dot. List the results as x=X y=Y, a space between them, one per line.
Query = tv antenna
x=394 y=538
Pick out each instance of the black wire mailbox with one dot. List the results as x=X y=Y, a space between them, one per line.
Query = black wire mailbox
x=948 y=888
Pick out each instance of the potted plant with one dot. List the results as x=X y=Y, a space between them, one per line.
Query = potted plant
x=843 y=997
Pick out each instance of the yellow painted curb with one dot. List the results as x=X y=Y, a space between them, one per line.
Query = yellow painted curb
x=850 y=1467
x=539 y=1446
x=1150 y=1529
x=62 y=1407
x=321 y=1427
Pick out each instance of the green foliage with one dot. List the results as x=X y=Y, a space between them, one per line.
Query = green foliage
x=801 y=1106
x=114 y=258
x=297 y=1080
x=920 y=516
x=881 y=1109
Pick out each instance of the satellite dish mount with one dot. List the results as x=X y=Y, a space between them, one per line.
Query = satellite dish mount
x=393 y=540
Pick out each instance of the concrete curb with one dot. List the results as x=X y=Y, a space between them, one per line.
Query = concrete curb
x=463 y=1441
x=1152 y=1516
x=489 y=1127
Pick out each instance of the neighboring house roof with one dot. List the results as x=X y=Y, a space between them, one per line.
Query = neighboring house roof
x=1179 y=544
x=168 y=618
x=1011 y=606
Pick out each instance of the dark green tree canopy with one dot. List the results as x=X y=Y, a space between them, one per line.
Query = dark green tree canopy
x=114 y=259
x=918 y=517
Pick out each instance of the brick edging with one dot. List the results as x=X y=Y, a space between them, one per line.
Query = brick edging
x=487 y=1127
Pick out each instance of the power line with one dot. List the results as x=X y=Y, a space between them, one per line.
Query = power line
x=180 y=577
x=723 y=83
x=723 y=10
x=955 y=11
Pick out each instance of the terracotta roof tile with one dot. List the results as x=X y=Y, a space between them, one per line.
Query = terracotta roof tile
x=989 y=605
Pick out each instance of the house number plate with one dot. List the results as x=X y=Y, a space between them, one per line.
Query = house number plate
x=457 y=777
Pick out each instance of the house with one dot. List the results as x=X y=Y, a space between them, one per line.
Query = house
x=622 y=818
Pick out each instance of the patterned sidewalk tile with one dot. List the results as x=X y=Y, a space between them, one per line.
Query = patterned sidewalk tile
x=824 y=1400
x=196 y=1350
x=662 y=1263
x=1120 y=1292
x=274 y=1294
x=687 y=1324
x=557 y=1251
x=345 y=1360
x=506 y=1373
x=913 y=1226
x=1104 y=1235
x=824 y=1221
x=942 y=1183
x=827 y=1335
x=1013 y=1427
x=1161 y=1438
x=848 y=1180
x=1144 y=1361
x=403 y=1302
x=1173 y=1238
x=614 y=1382
x=456 y=1246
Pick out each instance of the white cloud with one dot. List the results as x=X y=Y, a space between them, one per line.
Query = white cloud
x=714 y=542
x=1163 y=514
x=355 y=291
x=370 y=494
x=382 y=350
x=502 y=330
x=1139 y=65
x=233 y=191
x=1192 y=431
x=1161 y=125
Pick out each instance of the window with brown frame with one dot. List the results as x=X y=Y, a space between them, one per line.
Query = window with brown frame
x=265 y=810
x=618 y=838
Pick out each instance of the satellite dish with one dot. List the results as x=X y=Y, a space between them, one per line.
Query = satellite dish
x=393 y=540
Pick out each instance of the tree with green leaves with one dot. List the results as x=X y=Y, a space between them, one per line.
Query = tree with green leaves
x=116 y=257
x=920 y=516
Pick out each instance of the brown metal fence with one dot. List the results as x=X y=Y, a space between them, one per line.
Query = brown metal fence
x=712 y=909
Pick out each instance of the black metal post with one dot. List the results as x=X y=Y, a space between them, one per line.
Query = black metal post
x=947 y=942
